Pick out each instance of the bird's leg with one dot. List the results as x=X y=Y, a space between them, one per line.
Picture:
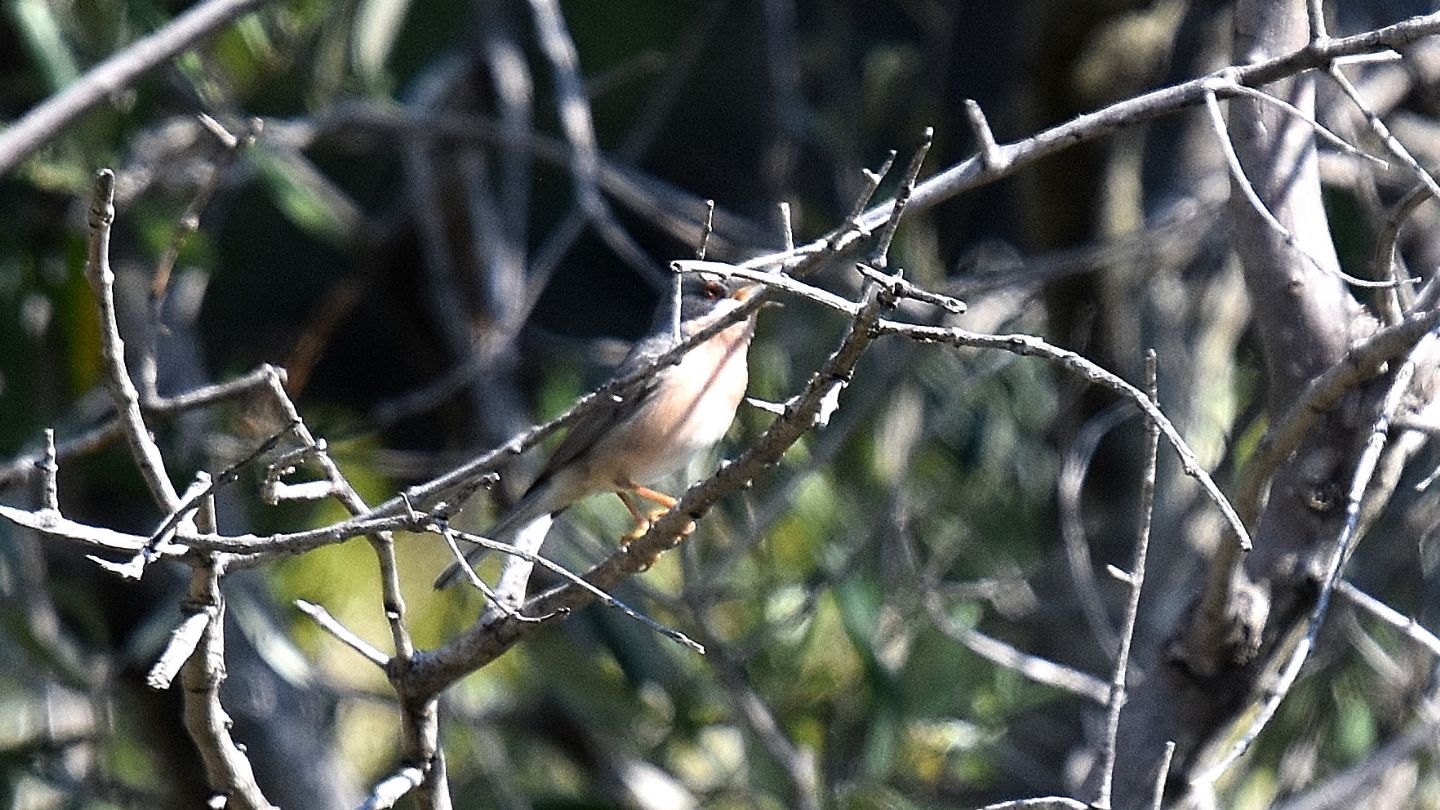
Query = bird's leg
x=666 y=504
x=642 y=522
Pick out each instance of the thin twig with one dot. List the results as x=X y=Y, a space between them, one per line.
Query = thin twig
x=466 y=569
x=112 y=348
x=707 y=230
x=1320 y=129
x=778 y=281
x=1033 y=346
x=343 y=634
x=580 y=582
x=1043 y=803
x=1162 y=775
x=900 y=288
x=120 y=70
x=1247 y=190
x=985 y=146
x=194 y=498
x=872 y=182
x=393 y=788
x=269 y=546
x=50 y=475
x=183 y=641
x=1407 y=625
x=1377 y=125
x=1384 y=260
x=491 y=597
x=880 y=256
x=1132 y=609
x=1038 y=669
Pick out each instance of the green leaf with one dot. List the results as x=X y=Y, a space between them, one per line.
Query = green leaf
x=302 y=203
x=45 y=41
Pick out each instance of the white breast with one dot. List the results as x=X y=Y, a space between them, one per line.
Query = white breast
x=690 y=410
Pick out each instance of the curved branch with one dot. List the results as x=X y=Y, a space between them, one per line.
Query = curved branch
x=115 y=74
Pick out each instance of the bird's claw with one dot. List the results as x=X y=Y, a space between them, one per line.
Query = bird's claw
x=643 y=526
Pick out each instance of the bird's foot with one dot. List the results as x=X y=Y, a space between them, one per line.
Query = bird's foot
x=643 y=525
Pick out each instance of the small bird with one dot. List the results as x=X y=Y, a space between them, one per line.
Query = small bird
x=625 y=446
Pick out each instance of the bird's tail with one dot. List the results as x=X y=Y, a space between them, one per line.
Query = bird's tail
x=524 y=527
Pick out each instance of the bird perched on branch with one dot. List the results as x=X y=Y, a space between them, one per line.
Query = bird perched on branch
x=651 y=432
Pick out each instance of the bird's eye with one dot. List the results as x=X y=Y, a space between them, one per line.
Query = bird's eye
x=714 y=290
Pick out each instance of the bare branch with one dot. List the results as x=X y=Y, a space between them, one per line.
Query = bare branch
x=1037 y=669
x=1364 y=470
x=343 y=634
x=1044 y=803
x=1247 y=189
x=52 y=522
x=580 y=582
x=1315 y=10
x=872 y=182
x=1162 y=775
x=985 y=146
x=127 y=400
x=50 y=469
x=1117 y=696
x=393 y=788
x=1377 y=124
x=880 y=255
x=226 y=766
x=1323 y=131
x=116 y=73
x=972 y=172
x=1407 y=625
x=1362 y=362
x=786 y=229
x=1030 y=345
x=183 y=641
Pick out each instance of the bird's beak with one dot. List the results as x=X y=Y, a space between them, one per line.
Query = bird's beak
x=746 y=293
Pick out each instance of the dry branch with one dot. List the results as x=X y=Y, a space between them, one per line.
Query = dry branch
x=116 y=73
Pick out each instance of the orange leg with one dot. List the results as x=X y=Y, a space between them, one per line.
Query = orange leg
x=642 y=522
x=654 y=496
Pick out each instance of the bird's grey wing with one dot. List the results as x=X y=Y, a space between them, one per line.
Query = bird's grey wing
x=588 y=429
